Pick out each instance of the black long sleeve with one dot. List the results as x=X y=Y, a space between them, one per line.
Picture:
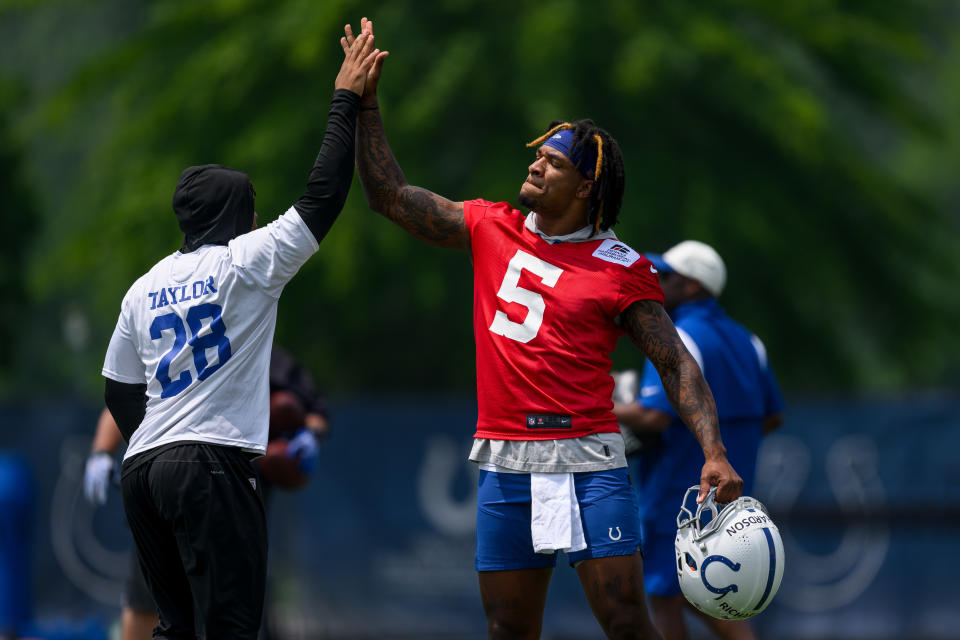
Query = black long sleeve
x=127 y=404
x=332 y=173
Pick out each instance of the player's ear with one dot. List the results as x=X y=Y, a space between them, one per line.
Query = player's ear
x=586 y=186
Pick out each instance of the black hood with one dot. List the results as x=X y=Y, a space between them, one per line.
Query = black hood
x=213 y=205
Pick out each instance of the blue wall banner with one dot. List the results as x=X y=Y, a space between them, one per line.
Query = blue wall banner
x=380 y=543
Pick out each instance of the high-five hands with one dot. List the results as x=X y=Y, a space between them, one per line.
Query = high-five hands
x=348 y=41
x=359 y=58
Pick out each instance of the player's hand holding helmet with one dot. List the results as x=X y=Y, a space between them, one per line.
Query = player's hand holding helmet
x=729 y=568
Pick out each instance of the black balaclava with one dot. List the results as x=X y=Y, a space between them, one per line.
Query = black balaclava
x=213 y=205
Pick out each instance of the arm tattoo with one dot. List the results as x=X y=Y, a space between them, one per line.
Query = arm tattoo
x=651 y=329
x=430 y=217
x=424 y=214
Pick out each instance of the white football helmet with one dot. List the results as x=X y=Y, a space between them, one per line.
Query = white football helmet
x=729 y=568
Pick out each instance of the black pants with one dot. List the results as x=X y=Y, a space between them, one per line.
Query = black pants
x=197 y=517
x=136 y=593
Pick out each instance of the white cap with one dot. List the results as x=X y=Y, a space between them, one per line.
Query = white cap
x=698 y=261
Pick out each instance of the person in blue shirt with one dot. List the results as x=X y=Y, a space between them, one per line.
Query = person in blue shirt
x=749 y=405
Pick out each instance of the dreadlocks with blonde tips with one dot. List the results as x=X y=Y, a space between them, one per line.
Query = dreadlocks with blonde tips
x=606 y=196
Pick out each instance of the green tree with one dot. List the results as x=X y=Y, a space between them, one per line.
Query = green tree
x=19 y=227
x=763 y=128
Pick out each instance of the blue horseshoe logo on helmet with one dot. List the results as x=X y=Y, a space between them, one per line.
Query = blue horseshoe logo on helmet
x=735 y=566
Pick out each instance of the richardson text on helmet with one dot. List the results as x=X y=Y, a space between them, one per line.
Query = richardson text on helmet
x=744 y=523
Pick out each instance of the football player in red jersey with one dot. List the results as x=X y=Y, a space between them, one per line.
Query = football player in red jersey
x=553 y=291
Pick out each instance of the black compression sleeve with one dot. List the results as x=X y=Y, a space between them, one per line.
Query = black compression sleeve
x=332 y=173
x=127 y=404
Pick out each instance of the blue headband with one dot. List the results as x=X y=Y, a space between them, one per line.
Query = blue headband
x=562 y=141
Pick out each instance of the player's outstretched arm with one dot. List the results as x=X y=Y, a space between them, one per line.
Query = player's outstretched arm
x=424 y=214
x=651 y=329
x=332 y=172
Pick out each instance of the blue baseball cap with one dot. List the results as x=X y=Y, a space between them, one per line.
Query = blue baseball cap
x=658 y=262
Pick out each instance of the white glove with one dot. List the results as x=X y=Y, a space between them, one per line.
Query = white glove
x=625 y=391
x=96 y=477
x=625 y=386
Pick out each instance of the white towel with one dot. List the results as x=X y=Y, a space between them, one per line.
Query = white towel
x=555 y=523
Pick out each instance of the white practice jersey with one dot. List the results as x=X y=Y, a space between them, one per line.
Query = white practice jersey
x=198 y=330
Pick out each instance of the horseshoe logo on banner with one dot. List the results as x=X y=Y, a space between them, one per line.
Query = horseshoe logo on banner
x=826 y=581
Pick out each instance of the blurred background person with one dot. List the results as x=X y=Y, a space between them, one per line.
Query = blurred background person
x=734 y=363
x=138 y=611
x=298 y=422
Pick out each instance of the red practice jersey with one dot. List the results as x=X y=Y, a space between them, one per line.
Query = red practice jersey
x=544 y=323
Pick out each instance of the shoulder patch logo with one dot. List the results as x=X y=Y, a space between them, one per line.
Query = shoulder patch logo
x=617 y=252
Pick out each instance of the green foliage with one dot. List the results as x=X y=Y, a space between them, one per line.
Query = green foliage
x=19 y=226
x=765 y=129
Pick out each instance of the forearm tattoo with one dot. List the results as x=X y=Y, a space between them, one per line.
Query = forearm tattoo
x=422 y=213
x=651 y=329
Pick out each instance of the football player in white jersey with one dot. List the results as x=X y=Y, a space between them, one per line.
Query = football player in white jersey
x=187 y=378
x=298 y=422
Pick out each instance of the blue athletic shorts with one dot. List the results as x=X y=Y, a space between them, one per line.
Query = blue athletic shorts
x=659 y=562
x=608 y=510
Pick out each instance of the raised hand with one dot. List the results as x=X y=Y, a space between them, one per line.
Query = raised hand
x=373 y=75
x=359 y=57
